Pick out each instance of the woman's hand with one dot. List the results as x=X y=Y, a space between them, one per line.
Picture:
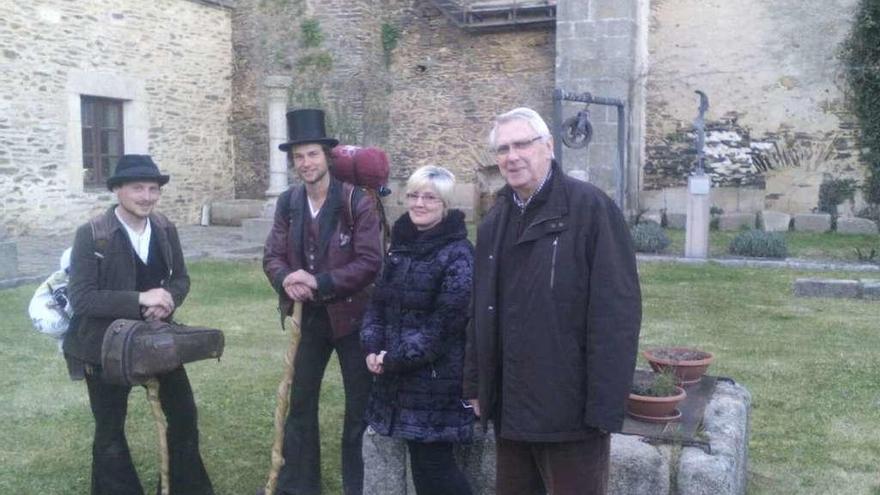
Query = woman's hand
x=374 y=362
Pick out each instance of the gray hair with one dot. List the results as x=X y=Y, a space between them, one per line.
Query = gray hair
x=438 y=178
x=522 y=113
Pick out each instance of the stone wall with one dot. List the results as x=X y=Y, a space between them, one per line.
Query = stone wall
x=170 y=60
x=427 y=98
x=601 y=49
x=777 y=124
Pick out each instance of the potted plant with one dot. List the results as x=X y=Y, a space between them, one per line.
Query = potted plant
x=687 y=363
x=654 y=396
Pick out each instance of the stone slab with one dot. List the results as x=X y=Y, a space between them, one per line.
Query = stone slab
x=8 y=260
x=736 y=221
x=233 y=211
x=855 y=225
x=638 y=467
x=387 y=466
x=652 y=216
x=256 y=229
x=821 y=287
x=676 y=221
x=774 y=221
x=812 y=222
x=726 y=424
x=871 y=289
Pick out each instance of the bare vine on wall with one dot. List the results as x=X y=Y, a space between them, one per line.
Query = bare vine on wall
x=808 y=155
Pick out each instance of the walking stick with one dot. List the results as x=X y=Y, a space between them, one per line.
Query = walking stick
x=283 y=398
x=162 y=431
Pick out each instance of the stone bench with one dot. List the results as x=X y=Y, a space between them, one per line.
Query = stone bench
x=233 y=211
x=637 y=466
x=855 y=225
x=839 y=288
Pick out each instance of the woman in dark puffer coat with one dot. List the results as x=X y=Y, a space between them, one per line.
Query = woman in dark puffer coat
x=413 y=334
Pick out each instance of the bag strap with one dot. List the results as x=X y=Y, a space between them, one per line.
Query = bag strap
x=100 y=233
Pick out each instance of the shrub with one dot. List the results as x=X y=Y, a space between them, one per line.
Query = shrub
x=861 y=52
x=832 y=192
x=715 y=213
x=759 y=244
x=648 y=238
x=661 y=384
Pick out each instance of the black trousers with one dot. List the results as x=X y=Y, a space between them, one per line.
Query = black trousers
x=301 y=473
x=112 y=470
x=434 y=470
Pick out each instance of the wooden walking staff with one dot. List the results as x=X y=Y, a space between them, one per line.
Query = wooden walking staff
x=283 y=398
x=162 y=430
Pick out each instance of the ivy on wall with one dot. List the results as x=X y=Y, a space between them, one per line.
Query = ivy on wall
x=861 y=52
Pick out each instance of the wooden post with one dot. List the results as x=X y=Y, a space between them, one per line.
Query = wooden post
x=162 y=432
x=283 y=399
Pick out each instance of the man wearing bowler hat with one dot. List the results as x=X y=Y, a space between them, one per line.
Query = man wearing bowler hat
x=127 y=263
x=324 y=250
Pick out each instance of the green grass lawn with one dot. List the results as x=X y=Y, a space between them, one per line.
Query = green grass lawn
x=811 y=365
x=807 y=245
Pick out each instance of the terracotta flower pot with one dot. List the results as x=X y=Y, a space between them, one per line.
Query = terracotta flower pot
x=655 y=409
x=687 y=363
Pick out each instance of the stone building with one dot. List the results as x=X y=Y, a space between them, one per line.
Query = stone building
x=423 y=79
x=777 y=126
x=83 y=82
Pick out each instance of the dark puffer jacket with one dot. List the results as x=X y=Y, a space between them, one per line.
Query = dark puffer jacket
x=418 y=316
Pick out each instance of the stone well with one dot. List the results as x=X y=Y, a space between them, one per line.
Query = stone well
x=638 y=466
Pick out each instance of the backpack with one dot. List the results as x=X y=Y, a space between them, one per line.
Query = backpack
x=50 y=310
x=368 y=169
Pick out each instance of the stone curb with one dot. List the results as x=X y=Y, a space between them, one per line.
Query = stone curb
x=837 y=288
x=791 y=263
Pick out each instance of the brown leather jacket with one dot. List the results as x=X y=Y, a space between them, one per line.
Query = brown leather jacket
x=103 y=281
x=349 y=243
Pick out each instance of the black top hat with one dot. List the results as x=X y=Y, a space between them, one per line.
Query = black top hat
x=306 y=126
x=133 y=168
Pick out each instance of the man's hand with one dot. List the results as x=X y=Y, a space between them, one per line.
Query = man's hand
x=152 y=313
x=475 y=403
x=301 y=277
x=157 y=297
x=300 y=286
x=299 y=292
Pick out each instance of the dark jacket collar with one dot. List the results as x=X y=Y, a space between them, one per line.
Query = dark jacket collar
x=405 y=235
x=553 y=194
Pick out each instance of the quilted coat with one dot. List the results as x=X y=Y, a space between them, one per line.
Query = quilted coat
x=418 y=315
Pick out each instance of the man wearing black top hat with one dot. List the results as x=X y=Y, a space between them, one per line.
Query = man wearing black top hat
x=127 y=263
x=324 y=250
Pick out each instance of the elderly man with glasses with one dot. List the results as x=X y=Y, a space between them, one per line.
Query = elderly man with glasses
x=552 y=342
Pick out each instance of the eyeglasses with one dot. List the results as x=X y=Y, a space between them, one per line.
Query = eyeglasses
x=427 y=198
x=504 y=149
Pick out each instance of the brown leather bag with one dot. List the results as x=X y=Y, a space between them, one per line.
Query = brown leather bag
x=134 y=351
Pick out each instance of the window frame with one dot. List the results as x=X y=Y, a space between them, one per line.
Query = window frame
x=98 y=162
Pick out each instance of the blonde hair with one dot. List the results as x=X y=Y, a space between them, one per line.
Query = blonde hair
x=438 y=178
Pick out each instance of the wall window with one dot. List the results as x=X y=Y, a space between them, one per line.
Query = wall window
x=102 y=138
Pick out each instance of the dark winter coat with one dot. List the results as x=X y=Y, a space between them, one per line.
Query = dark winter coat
x=349 y=241
x=418 y=316
x=568 y=359
x=103 y=281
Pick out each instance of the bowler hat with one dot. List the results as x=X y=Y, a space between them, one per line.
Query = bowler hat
x=134 y=168
x=306 y=126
